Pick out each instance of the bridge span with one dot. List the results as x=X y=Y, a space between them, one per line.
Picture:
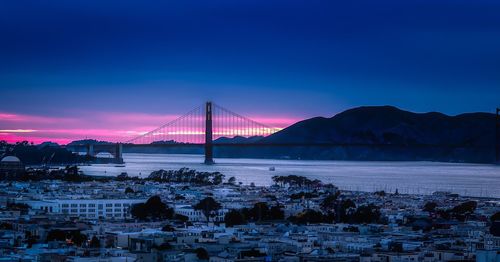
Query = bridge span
x=211 y=125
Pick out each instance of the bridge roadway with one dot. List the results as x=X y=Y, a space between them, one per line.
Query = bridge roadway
x=282 y=145
x=215 y=144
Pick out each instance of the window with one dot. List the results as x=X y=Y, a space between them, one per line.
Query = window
x=74 y=205
x=83 y=210
x=91 y=210
x=74 y=210
x=83 y=205
x=100 y=206
x=65 y=205
x=118 y=210
x=65 y=211
x=109 y=210
x=118 y=205
x=109 y=205
x=126 y=205
x=91 y=205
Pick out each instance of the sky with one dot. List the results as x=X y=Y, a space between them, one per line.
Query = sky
x=111 y=70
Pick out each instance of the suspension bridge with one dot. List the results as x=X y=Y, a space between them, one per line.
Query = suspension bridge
x=199 y=127
x=211 y=125
x=203 y=125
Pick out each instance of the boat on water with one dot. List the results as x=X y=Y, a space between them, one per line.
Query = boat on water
x=272 y=168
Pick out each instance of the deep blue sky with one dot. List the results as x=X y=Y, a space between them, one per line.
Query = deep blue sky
x=277 y=58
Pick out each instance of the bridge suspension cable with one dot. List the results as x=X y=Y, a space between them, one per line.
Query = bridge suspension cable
x=190 y=128
x=231 y=124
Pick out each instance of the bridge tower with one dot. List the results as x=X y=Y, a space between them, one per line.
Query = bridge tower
x=119 y=153
x=497 y=137
x=209 y=157
x=90 y=150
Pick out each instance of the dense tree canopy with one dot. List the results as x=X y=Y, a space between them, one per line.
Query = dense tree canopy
x=76 y=237
x=202 y=253
x=463 y=210
x=495 y=217
x=311 y=217
x=305 y=195
x=186 y=175
x=430 y=206
x=495 y=224
x=95 y=243
x=261 y=212
x=366 y=214
x=208 y=207
x=295 y=181
x=154 y=209
x=234 y=217
x=42 y=154
x=330 y=202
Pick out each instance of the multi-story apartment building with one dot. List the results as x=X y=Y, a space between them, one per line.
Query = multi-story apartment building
x=87 y=208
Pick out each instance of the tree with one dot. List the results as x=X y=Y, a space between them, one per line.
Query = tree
x=56 y=235
x=396 y=247
x=181 y=218
x=495 y=228
x=430 y=206
x=231 y=180
x=329 y=203
x=5 y=226
x=346 y=208
x=234 y=217
x=167 y=228
x=463 y=210
x=309 y=217
x=495 y=224
x=186 y=175
x=202 y=254
x=366 y=214
x=466 y=207
x=260 y=211
x=95 y=243
x=495 y=217
x=30 y=239
x=154 y=208
x=164 y=246
x=208 y=207
x=303 y=195
x=276 y=213
x=179 y=197
x=218 y=178
x=77 y=238
x=129 y=190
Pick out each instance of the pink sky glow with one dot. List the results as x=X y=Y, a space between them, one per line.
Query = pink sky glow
x=115 y=127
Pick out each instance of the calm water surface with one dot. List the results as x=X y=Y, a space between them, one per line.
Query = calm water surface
x=408 y=177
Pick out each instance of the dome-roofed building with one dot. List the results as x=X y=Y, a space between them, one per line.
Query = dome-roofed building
x=12 y=159
x=11 y=165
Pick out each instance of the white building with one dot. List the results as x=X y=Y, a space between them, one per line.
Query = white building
x=198 y=216
x=87 y=208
